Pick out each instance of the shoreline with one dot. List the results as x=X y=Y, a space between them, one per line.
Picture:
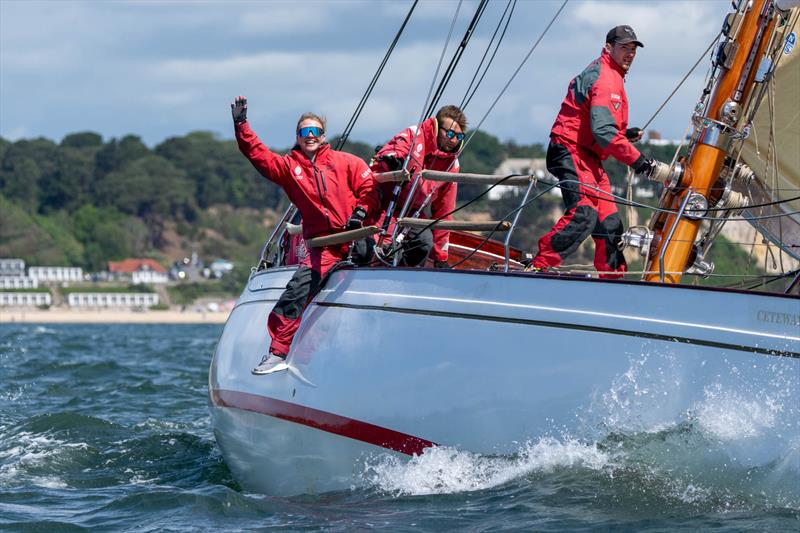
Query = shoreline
x=108 y=316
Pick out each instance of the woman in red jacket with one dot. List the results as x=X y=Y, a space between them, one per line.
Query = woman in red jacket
x=332 y=190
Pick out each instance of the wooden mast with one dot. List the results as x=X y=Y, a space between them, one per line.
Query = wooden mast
x=748 y=32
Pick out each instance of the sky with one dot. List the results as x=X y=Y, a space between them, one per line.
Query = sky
x=160 y=69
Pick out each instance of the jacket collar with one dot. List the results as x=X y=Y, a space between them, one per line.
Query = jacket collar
x=322 y=152
x=430 y=133
x=606 y=58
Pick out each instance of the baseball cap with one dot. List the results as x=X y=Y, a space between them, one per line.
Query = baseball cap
x=621 y=35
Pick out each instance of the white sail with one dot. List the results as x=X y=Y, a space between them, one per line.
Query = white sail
x=773 y=148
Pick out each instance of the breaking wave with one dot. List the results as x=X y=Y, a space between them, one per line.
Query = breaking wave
x=444 y=470
x=736 y=446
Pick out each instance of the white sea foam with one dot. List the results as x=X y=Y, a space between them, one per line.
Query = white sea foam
x=643 y=398
x=692 y=493
x=48 y=482
x=13 y=395
x=31 y=451
x=139 y=478
x=733 y=415
x=444 y=470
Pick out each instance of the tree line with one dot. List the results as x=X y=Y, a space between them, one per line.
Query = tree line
x=85 y=201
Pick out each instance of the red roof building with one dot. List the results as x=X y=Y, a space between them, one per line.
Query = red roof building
x=139 y=270
x=129 y=266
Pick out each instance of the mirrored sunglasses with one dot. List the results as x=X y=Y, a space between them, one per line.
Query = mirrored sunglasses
x=450 y=134
x=313 y=130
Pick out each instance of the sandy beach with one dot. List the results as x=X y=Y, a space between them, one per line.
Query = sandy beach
x=69 y=316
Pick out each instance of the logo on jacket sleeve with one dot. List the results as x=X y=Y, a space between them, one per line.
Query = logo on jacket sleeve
x=616 y=101
x=298 y=172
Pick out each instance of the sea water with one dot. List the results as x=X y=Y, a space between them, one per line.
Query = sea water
x=107 y=428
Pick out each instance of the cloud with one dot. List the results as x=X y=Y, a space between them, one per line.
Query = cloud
x=159 y=69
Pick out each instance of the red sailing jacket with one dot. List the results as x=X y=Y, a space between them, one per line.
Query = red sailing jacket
x=426 y=156
x=326 y=190
x=594 y=115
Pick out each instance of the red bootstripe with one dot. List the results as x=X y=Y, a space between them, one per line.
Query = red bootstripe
x=339 y=425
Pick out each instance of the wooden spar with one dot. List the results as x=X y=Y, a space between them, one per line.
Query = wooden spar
x=466 y=225
x=392 y=177
x=343 y=237
x=474 y=179
x=712 y=145
x=453 y=177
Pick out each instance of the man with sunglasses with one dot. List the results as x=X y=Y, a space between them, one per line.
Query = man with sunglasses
x=332 y=190
x=592 y=125
x=436 y=144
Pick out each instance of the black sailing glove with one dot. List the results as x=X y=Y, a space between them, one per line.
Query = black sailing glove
x=440 y=264
x=392 y=162
x=642 y=165
x=651 y=169
x=239 y=110
x=356 y=220
x=632 y=134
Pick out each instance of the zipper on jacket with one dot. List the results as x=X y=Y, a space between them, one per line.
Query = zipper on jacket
x=320 y=191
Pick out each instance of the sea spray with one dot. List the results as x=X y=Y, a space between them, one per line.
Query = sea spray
x=444 y=470
x=643 y=398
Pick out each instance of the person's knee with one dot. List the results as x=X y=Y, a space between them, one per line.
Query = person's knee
x=583 y=220
x=613 y=225
x=298 y=291
x=363 y=251
x=417 y=248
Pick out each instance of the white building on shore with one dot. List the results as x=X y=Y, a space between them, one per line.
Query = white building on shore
x=112 y=299
x=18 y=282
x=25 y=299
x=538 y=167
x=138 y=271
x=55 y=273
x=12 y=267
x=525 y=166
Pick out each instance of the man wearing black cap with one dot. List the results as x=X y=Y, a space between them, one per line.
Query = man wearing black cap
x=591 y=126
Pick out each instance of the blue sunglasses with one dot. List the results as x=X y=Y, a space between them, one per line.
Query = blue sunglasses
x=313 y=130
x=450 y=134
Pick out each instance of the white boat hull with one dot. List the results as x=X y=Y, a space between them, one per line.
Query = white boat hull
x=396 y=360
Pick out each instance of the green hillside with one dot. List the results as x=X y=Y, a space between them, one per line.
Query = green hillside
x=86 y=201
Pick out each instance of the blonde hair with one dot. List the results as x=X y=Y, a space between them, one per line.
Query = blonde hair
x=312 y=116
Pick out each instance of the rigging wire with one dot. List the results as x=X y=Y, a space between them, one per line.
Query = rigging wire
x=433 y=81
x=397 y=246
x=682 y=81
x=467 y=96
x=467 y=35
x=514 y=75
x=351 y=124
x=772 y=160
x=617 y=200
x=445 y=81
x=448 y=73
x=551 y=186
x=398 y=187
x=497 y=99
